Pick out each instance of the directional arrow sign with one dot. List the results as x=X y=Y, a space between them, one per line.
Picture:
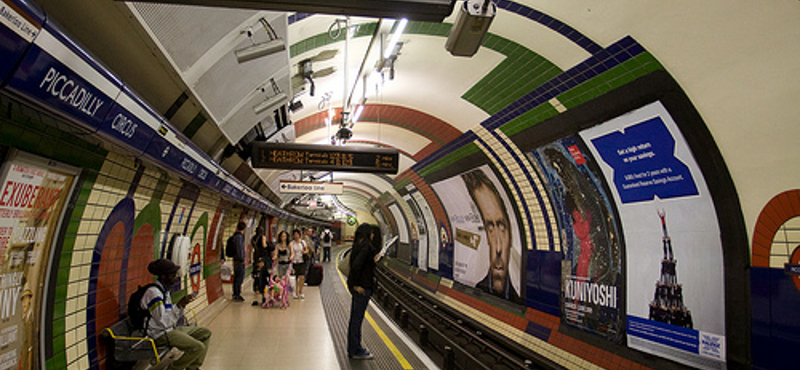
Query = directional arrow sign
x=310 y=187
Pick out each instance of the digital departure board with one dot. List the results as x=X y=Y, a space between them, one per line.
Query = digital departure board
x=325 y=158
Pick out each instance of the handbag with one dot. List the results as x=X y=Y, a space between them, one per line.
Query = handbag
x=344 y=263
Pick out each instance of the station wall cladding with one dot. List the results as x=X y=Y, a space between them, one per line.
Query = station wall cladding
x=119 y=213
x=592 y=220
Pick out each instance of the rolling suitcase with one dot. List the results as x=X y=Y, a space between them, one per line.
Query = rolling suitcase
x=314 y=274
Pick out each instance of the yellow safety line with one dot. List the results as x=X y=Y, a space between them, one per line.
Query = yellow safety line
x=399 y=356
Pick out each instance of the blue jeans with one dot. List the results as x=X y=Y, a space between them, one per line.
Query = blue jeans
x=238 y=278
x=357 y=310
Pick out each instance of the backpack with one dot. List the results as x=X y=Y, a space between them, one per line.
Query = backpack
x=230 y=247
x=327 y=237
x=140 y=316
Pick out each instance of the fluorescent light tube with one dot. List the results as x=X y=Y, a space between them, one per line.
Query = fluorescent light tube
x=357 y=114
x=395 y=37
x=260 y=50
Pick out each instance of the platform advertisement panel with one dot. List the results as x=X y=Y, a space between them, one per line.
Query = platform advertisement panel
x=31 y=199
x=674 y=296
x=592 y=282
x=486 y=237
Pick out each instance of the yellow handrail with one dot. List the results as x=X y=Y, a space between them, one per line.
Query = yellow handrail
x=140 y=339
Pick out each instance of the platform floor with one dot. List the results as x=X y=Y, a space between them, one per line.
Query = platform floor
x=310 y=334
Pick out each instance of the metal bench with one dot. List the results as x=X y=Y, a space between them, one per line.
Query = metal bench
x=131 y=347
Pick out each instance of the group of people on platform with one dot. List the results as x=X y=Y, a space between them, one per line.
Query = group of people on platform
x=273 y=263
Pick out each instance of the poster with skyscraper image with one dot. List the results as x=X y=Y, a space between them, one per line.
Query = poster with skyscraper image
x=674 y=300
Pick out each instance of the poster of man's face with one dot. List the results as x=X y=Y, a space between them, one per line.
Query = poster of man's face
x=486 y=234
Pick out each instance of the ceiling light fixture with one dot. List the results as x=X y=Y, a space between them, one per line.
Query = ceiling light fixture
x=357 y=114
x=272 y=102
x=262 y=49
x=395 y=37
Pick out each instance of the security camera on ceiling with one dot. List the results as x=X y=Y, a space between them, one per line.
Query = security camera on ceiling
x=274 y=45
x=472 y=23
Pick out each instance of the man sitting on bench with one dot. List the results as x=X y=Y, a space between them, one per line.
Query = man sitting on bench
x=163 y=323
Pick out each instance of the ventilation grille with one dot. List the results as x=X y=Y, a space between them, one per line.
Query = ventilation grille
x=187 y=32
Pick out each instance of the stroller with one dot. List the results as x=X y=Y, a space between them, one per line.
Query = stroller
x=277 y=292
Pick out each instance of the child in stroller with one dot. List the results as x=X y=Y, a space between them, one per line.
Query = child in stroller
x=278 y=289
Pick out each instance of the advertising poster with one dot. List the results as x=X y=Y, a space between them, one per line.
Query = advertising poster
x=486 y=237
x=591 y=279
x=31 y=198
x=675 y=299
x=422 y=234
x=431 y=235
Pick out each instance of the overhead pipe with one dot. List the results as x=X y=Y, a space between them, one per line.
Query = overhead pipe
x=363 y=63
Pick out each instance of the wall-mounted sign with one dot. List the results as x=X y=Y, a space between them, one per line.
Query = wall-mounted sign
x=325 y=158
x=309 y=187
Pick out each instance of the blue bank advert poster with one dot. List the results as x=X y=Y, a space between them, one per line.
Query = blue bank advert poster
x=591 y=279
x=673 y=252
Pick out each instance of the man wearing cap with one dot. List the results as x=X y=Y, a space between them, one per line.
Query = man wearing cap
x=163 y=323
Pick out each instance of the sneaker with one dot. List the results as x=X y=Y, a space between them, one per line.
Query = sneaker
x=302 y=296
x=363 y=356
x=255 y=303
x=238 y=299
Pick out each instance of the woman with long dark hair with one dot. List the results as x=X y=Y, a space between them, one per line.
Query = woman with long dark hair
x=361 y=282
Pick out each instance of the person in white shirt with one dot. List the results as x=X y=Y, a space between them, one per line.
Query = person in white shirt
x=326 y=239
x=165 y=316
x=302 y=254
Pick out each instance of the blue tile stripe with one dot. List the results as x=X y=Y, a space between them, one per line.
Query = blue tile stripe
x=538 y=331
x=616 y=54
x=466 y=138
x=552 y=23
x=525 y=208
x=297 y=17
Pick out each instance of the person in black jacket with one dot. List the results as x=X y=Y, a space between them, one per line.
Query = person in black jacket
x=360 y=283
x=238 y=262
x=262 y=261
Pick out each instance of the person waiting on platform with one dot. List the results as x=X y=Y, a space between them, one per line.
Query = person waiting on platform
x=360 y=283
x=302 y=254
x=326 y=238
x=164 y=317
x=262 y=259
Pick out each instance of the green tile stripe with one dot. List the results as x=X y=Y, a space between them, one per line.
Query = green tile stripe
x=401 y=184
x=323 y=39
x=529 y=119
x=210 y=269
x=63 y=269
x=518 y=74
x=449 y=159
x=150 y=215
x=616 y=77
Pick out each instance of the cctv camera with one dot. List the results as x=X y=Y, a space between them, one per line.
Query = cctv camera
x=472 y=23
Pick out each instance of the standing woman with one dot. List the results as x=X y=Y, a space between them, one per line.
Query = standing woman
x=361 y=282
x=300 y=250
x=282 y=256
